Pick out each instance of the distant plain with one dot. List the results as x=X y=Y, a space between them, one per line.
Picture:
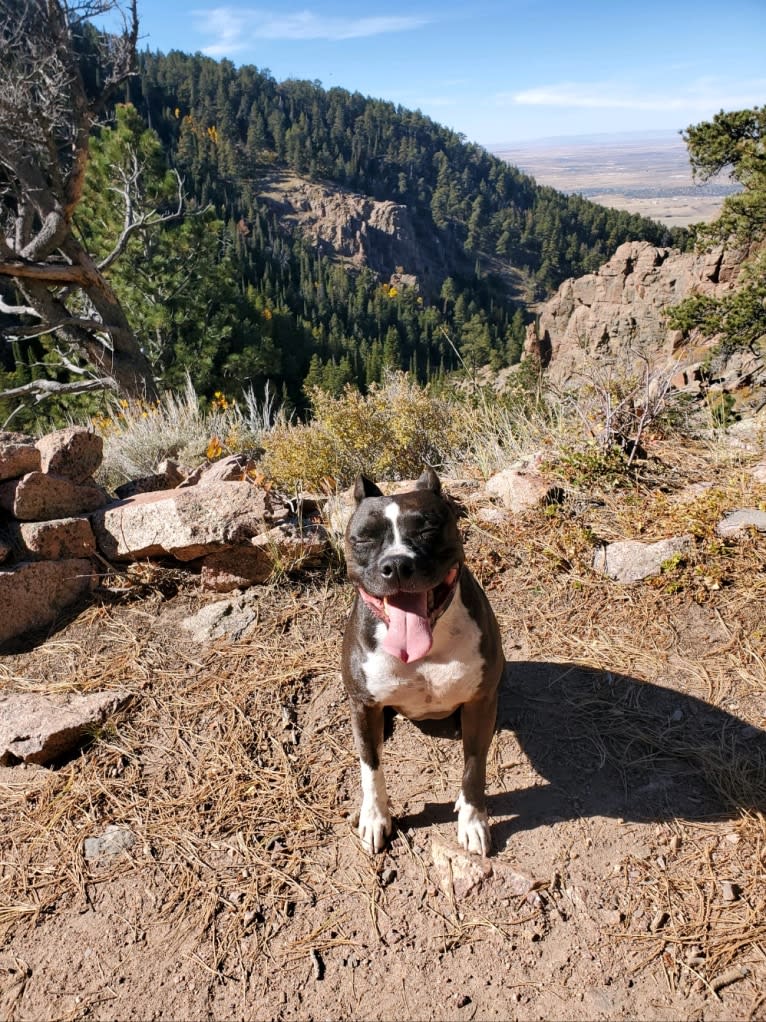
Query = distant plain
x=641 y=173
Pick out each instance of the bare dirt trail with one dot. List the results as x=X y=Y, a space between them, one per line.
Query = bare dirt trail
x=626 y=883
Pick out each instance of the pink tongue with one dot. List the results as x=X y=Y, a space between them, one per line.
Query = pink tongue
x=409 y=630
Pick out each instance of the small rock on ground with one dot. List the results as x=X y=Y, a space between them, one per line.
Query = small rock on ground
x=631 y=561
x=113 y=841
x=35 y=728
x=224 y=618
x=738 y=522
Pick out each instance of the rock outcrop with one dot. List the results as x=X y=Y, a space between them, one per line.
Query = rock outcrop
x=620 y=310
x=348 y=226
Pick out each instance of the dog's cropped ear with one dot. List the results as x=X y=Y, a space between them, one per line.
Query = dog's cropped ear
x=429 y=480
x=364 y=487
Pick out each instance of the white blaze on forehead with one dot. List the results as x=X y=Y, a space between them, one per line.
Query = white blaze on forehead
x=397 y=548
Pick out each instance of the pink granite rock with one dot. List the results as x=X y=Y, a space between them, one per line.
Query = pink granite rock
x=36 y=728
x=39 y=497
x=18 y=455
x=236 y=568
x=74 y=453
x=33 y=593
x=57 y=539
x=183 y=523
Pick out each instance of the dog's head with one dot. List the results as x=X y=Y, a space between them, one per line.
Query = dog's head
x=404 y=555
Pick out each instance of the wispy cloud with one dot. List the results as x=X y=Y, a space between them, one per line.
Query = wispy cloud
x=701 y=95
x=233 y=29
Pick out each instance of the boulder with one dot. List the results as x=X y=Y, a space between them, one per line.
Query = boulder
x=18 y=455
x=74 y=453
x=736 y=523
x=182 y=523
x=33 y=593
x=167 y=477
x=40 y=497
x=520 y=489
x=36 y=728
x=57 y=539
x=631 y=561
x=236 y=568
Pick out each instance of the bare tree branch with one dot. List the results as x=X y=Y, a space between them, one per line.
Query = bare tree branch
x=47 y=273
x=16 y=310
x=41 y=390
x=27 y=333
x=47 y=115
x=133 y=223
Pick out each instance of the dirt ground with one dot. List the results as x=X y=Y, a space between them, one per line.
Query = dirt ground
x=627 y=794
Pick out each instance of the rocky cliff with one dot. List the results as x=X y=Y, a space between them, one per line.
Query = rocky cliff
x=619 y=313
x=354 y=228
x=621 y=307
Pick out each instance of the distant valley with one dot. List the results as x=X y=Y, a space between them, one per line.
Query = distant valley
x=642 y=173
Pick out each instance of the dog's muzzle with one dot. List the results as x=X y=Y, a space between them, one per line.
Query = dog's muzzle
x=409 y=617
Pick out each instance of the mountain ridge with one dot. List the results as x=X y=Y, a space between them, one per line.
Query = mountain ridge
x=491 y=239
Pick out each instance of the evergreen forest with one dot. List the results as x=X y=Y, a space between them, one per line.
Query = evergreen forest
x=215 y=285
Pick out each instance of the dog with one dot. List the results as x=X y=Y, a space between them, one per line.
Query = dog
x=421 y=640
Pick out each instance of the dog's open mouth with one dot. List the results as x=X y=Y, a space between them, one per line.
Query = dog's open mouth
x=410 y=617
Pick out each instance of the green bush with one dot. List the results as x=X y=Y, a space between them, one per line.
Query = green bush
x=389 y=433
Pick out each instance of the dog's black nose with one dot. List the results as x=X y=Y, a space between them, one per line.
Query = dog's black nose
x=397 y=568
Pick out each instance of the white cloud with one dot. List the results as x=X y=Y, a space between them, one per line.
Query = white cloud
x=702 y=95
x=226 y=25
x=233 y=29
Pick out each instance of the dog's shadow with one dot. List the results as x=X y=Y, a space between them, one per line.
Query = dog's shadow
x=609 y=745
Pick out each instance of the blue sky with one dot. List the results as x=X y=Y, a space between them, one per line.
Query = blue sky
x=497 y=70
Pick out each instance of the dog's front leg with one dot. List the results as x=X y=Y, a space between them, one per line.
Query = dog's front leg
x=478 y=726
x=374 y=817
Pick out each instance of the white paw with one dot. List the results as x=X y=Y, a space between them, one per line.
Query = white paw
x=374 y=827
x=472 y=828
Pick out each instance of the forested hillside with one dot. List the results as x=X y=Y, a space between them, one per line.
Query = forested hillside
x=227 y=293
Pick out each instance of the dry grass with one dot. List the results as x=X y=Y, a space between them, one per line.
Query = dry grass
x=181 y=426
x=560 y=610
x=230 y=765
x=206 y=769
x=698 y=908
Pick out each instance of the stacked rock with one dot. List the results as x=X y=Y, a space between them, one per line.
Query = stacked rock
x=46 y=540
x=56 y=524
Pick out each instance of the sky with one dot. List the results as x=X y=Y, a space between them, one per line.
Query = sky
x=498 y=71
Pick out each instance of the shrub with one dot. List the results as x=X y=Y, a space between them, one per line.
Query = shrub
x=137 y=436
x=391 y=432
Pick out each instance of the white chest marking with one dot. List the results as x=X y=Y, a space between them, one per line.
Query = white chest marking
x=397 y=548
x=436 y=685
